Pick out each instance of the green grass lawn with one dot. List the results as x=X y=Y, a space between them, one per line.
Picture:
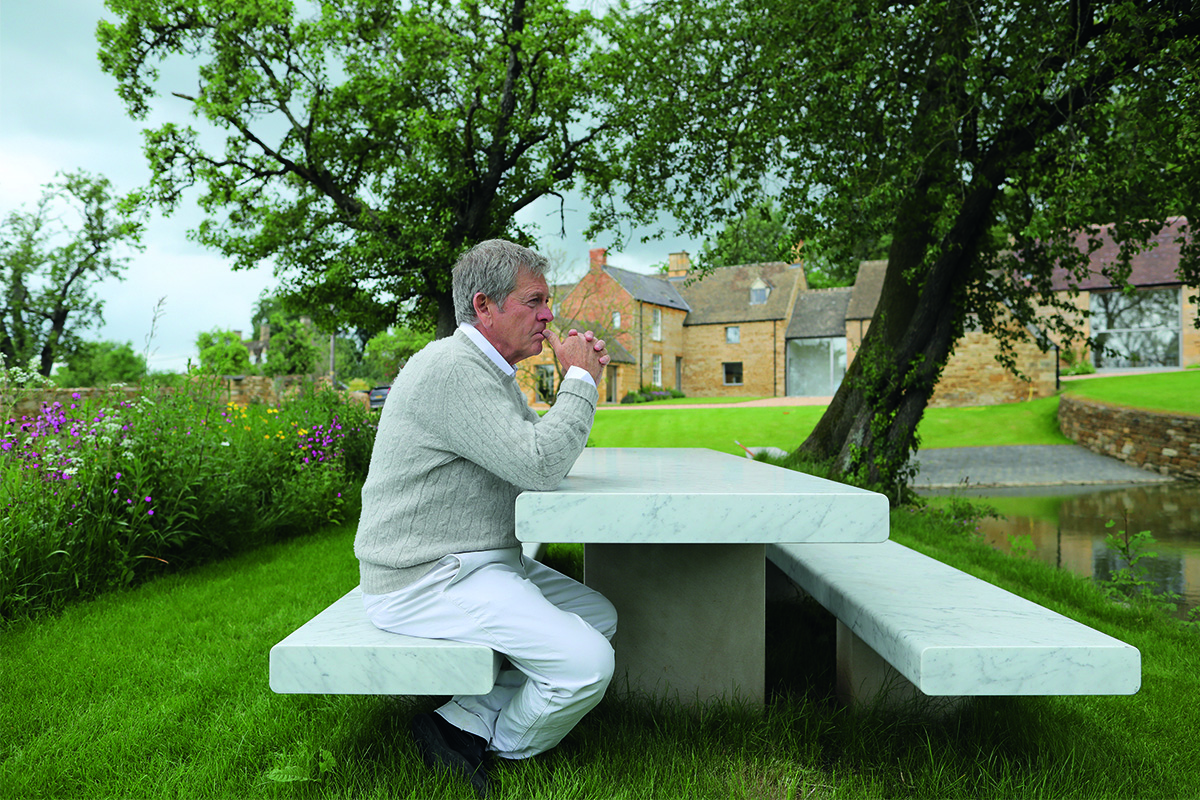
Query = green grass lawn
x=1034 y=422
x=1159 y=391
x=161 y=692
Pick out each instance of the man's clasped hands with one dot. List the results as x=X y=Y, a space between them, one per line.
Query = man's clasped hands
x=578 y=349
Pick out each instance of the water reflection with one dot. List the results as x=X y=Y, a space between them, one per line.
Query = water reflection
x=1065 y=526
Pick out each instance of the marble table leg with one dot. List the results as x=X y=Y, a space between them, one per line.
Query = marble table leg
x=690 y=617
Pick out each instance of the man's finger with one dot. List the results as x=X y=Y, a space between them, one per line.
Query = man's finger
x=550 y=336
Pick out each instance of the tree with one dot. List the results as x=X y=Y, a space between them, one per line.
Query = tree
x=758 y=236
x=101 y=364
x=222 y=353
x=52 y=257
x=987 y=140
x=368 y=145
x=386 y=353
x=293 y=349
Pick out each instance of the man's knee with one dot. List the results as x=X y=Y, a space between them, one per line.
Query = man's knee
x=595 y=660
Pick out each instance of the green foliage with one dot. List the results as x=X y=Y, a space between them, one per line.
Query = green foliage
x=222 y=353
x=50 y=260
x=101 y=364
x=293 y=349
x=102 y=495
x=367 y=142
x=387 y=352
x=1075 y=363
x=757 y=236
x=1130 y=581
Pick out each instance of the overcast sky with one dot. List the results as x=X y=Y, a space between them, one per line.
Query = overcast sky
x=60 y=112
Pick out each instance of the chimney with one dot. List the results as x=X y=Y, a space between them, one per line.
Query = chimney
x=598 y=257
x=678 y=264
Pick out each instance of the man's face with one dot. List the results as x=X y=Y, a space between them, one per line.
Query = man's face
x=516 y=328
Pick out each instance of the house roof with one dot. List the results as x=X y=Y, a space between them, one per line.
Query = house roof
x=1155 y=266
x=819 y=313
x=868 y=286
x=648 y=288
x=723 y=295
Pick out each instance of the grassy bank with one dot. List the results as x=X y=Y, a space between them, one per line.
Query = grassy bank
x=1034 y=422
x=1177 y=392
x=161 y=691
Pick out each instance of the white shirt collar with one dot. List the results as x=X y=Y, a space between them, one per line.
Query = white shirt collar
x=488 y=348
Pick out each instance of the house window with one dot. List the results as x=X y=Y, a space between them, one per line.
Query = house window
x=656 y=324
x=616 y=320
x=815 y=367
x=733 y=334
x=759 y=292
x=733 y=373
x=656 y=369
x=543 y=382
x=1136 y=330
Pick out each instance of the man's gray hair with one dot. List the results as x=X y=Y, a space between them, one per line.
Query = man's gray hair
x=491 y=267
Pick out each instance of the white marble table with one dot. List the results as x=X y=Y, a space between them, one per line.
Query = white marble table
x=676 y=539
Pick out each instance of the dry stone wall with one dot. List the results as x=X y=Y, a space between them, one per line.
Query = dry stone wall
x=1168 y=444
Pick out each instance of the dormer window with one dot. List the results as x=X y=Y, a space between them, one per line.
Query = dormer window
x=759 y=292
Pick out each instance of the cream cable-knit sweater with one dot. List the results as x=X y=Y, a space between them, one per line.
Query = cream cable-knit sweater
x=457 y=442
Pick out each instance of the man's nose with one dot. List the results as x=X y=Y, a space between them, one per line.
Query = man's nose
x=546 y=315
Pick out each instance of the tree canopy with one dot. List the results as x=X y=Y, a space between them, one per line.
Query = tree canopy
x=983 y=141
x=222 y=353
x=367 y=145
x=101 y=364
x=50 y=260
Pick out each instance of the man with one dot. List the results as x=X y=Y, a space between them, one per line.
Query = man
x=436 y=542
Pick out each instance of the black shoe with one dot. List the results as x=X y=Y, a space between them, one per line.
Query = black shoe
x=443 y=745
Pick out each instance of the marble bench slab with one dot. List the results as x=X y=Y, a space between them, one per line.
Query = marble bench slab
x=947 y=632
x=340 y=652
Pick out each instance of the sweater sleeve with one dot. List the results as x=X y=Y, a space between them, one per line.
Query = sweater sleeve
x=484 y=418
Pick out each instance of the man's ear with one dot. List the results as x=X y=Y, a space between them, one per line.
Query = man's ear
x=482 y=309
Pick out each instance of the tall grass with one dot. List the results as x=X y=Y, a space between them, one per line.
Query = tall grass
x=101 y=494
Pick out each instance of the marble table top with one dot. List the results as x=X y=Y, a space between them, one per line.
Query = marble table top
x=696 y=496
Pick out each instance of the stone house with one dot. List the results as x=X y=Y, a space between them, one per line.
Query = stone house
x=1154 y=326
x=735 y=332
x=758 y=330
x=972 y=376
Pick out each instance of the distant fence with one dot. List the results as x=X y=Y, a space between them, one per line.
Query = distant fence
x=1168 y=444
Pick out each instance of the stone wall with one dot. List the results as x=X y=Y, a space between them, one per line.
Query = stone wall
x=973 y=377
x=240 y=390
x=1168 y=444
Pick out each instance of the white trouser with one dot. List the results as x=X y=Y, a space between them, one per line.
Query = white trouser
x=554 y=630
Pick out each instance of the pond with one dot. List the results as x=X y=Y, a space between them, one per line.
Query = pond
x=1066 y=526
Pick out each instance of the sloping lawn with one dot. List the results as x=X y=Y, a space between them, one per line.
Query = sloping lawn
x=1177 y=392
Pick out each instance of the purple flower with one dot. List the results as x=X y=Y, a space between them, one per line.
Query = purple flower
x=147 y=498
x=150 y=513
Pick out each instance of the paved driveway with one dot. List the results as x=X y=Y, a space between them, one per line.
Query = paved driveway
x=1024 y=465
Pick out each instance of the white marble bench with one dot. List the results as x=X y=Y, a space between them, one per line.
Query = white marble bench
x=340 y=652
x=909 y=622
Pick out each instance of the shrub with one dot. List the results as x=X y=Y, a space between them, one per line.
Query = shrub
x=102 y=494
